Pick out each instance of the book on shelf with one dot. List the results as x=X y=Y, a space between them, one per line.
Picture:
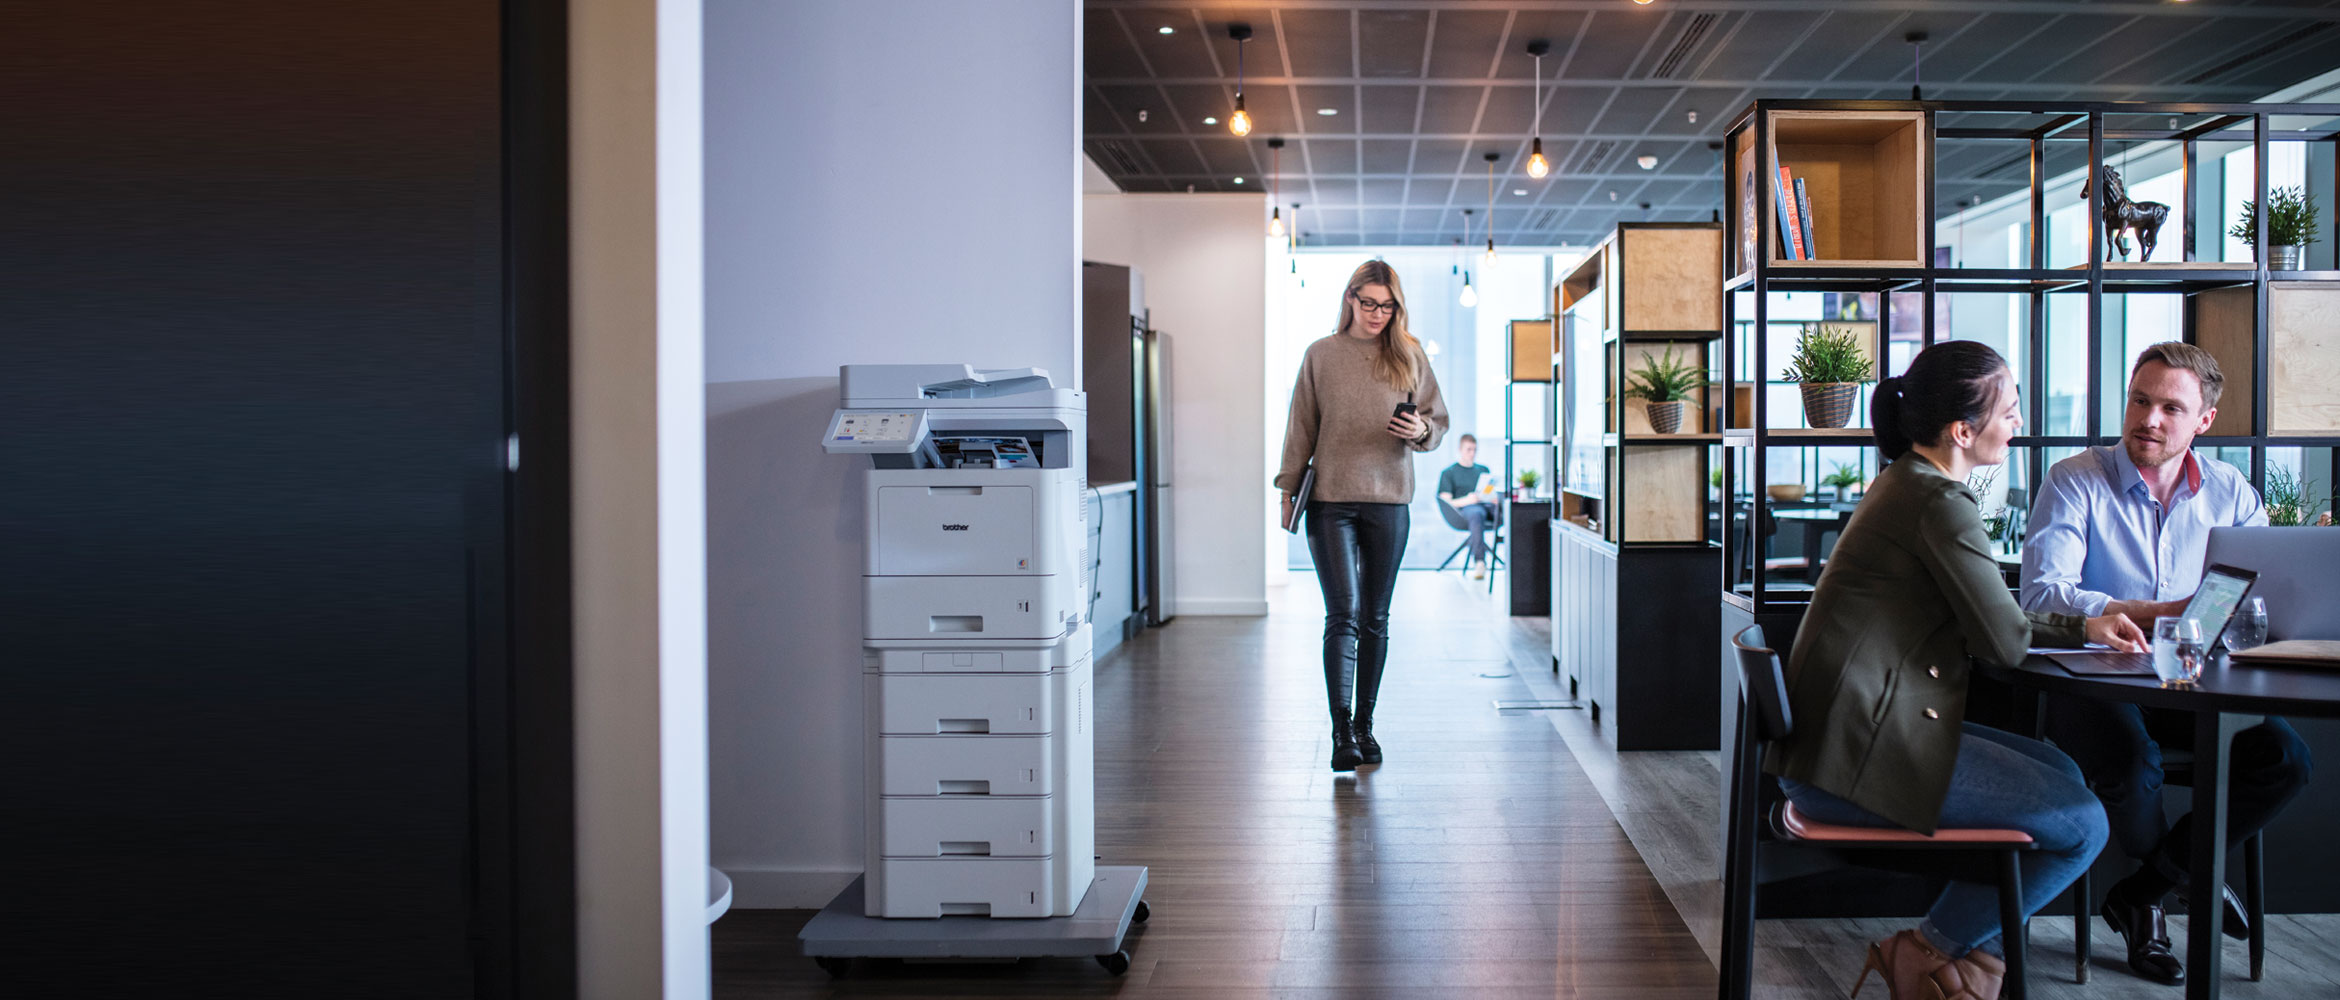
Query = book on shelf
x=1804 y=219
x=1747 y=210
x=1791 y=237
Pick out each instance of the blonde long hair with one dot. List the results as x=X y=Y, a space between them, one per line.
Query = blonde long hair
x=1399 y=363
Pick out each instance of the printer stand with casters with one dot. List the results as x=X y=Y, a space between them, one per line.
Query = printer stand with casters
x=1116 y=900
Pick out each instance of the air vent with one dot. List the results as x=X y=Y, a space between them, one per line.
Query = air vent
x=1595 y=155
x=1685 y=43
x=2261 y=52
x=1124 y=161
x=1543 y=220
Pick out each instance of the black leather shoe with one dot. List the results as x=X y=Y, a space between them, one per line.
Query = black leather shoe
x=2145 y=927
x=1345 y=755
x=1366 y=744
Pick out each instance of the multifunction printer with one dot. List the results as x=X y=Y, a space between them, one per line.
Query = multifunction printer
x=975 y=639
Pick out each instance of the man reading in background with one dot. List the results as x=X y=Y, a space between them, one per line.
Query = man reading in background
x=1458 y=486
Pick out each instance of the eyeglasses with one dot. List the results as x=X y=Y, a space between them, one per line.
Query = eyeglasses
x=1375 y=307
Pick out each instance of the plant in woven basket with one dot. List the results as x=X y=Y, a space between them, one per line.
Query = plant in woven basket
x=2290 y=499
x=1666 y=384
x=1831 y=366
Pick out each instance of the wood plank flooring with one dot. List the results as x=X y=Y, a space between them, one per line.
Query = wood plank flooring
x=1479 y=860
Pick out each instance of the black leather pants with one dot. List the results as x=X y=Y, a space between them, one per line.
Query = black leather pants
x=1357 y=547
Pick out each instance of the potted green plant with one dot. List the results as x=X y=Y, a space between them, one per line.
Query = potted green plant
x=1842 y=480
x=2291 y=500
x=1528 y=478
x=1831 y=367
x=2291 y=226
x=1666 y=385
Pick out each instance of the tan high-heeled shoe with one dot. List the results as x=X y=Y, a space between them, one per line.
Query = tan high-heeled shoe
x=1977 y=975
x=1908 y=965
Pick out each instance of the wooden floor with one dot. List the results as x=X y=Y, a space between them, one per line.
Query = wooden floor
x=1497 y=854
x=1477 y=861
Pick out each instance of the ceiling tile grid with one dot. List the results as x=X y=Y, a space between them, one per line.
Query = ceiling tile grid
x=1419 y=92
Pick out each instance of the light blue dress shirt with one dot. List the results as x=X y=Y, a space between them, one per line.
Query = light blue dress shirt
x=2097 y=535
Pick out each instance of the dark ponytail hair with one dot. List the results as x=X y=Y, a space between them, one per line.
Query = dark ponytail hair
x=1948 y=382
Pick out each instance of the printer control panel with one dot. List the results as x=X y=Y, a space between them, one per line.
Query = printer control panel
x=882 y=431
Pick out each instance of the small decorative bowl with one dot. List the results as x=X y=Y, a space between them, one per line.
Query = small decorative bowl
x=1786 y=492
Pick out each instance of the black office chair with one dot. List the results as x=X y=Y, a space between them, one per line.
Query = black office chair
x=1454 y=519
x=1967 y=854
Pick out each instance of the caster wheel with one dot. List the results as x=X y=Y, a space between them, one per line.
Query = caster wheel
x=835 y=967
x=1116 y=963
x=1143 y=911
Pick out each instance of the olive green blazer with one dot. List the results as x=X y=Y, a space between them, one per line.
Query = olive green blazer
x=1877 y=678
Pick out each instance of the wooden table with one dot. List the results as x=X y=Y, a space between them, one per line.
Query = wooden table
x=2225 y=701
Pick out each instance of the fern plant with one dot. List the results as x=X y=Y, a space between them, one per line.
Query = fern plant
x=1666 y=380
x=2291 y=219
x=1828 y=354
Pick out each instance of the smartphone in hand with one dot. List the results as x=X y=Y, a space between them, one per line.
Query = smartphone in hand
x=1403 y=409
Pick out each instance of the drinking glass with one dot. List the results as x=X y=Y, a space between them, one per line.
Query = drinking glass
x=2249 y=627
x=2177 y=651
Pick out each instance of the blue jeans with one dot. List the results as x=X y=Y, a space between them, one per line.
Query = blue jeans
x=2002 y=781
x=1480 y=517
x=2118 y=747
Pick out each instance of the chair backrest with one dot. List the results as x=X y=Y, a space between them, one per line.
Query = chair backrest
x=1454 y=518
x=1763 y=686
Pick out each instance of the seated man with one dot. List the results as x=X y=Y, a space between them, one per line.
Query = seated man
x=2122 y=530
x=1459 y=487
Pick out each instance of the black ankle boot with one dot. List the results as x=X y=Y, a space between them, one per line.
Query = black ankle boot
x=1369 y=747
x=1345 y=756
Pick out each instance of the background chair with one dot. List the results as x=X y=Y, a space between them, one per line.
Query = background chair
x=1968 y=854
x=1454 y=519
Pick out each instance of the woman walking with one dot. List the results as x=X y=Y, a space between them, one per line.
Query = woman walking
x=1365 y=402
x=1878 y=675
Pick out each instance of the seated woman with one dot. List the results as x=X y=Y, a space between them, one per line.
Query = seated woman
x=1877 y=678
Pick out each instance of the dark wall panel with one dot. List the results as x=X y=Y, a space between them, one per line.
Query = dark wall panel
x=251 y=401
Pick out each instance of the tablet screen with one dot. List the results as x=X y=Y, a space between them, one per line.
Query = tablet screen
x=2214 y=602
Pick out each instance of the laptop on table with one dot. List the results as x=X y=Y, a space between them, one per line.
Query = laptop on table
x=2214 y=602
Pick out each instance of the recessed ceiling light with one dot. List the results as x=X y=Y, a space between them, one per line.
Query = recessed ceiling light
x=1210 y=121
x=1521 y=192
x=1646 y=161
x=1238 y=180
x=1167 y=30
x=1328 y=111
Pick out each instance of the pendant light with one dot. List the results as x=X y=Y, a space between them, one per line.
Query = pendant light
x=1275 y=176
x=1239 y=122
x=1491 y=158
x=1537 y=166
x=1470 y=296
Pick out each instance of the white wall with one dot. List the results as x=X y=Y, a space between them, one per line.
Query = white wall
x=1204 y=257
x=887 y=181
x=638 y=499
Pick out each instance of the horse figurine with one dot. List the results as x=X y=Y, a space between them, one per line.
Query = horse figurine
x=2120 y=214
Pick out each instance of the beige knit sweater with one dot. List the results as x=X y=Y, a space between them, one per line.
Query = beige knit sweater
x=1340 y=418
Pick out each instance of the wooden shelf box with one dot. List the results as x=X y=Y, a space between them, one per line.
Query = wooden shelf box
x=1864 y=174
x=2303 y=356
